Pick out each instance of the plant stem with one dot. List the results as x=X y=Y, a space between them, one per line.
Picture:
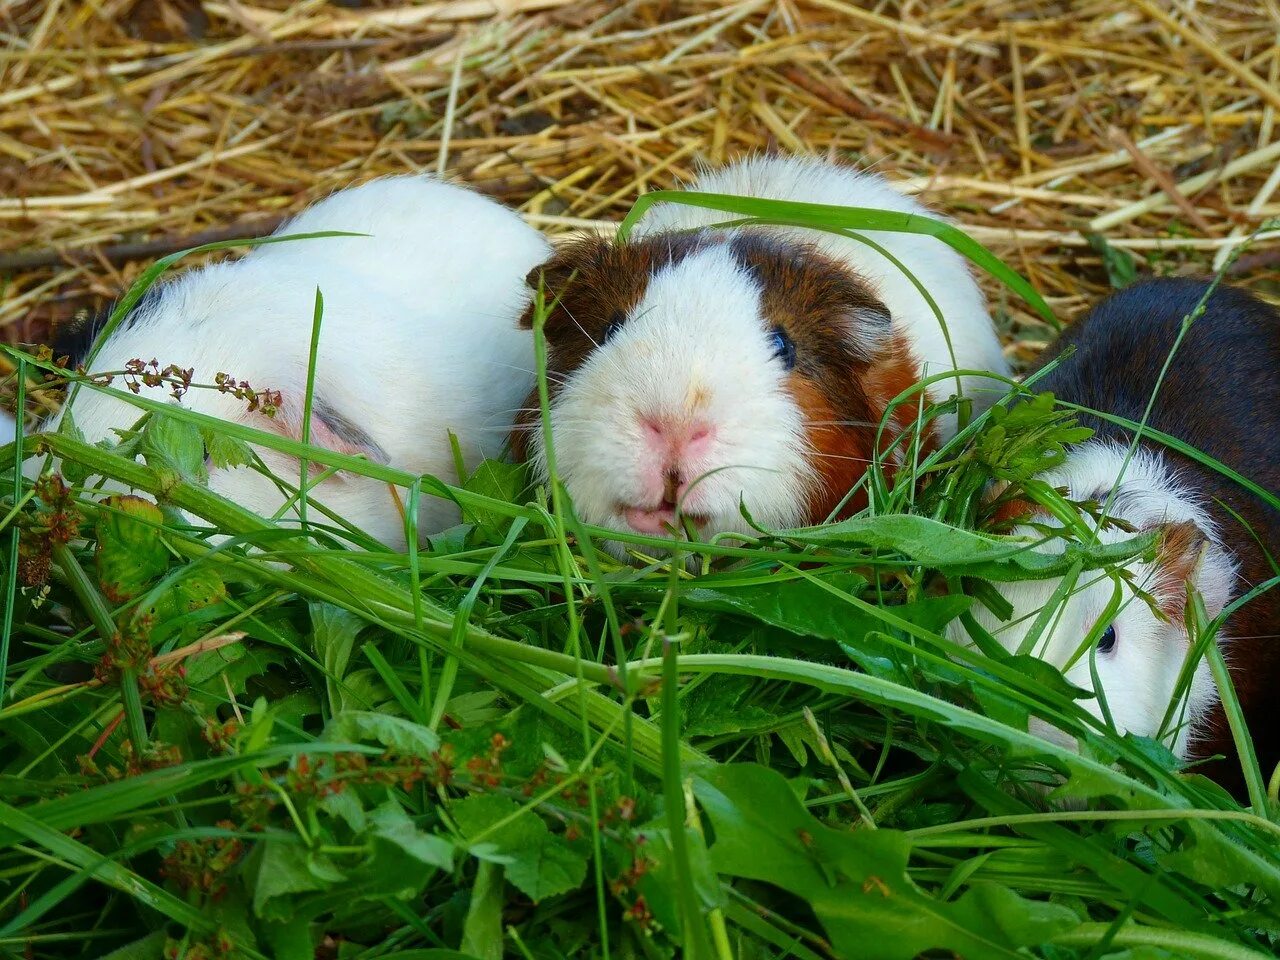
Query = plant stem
x=95 y=605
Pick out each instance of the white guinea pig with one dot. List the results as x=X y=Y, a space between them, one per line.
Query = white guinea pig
x=8 y=428
x=1221 y=395
x=418 y=338
x=757 y=361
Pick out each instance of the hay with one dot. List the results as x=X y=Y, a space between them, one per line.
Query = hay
x=129 y=126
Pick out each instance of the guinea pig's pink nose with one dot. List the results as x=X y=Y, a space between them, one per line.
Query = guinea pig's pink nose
x=676 y=437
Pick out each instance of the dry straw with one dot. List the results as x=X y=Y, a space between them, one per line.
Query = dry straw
x=129 y=128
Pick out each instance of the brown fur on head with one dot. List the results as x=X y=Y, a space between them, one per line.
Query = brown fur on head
x=849 y=362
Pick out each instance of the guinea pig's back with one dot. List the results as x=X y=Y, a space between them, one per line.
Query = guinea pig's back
x=444 y=246
x=1222 y=390
x=404 y=370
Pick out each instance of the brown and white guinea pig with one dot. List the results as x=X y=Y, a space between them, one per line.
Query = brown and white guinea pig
x=709 y=368
x=418 y=339
x=1221 y=396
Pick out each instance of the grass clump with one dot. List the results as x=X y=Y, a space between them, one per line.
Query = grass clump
x=504 y=743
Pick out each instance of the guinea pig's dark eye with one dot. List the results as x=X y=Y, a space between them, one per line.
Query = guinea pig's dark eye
x=613 y=326
x=1108 y=639
x=782 y=347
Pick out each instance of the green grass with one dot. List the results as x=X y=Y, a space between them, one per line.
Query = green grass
x=506 y=744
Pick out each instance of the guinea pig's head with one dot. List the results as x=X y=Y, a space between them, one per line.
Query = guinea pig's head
x=1141 y=647
x=711 y=371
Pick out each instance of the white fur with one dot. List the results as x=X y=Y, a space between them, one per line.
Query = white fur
x=1139 y=674
x=419 y=337
x=721 y=368
x=8 y=429
x=940 y=270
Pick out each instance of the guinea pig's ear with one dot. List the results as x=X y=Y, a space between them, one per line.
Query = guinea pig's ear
x=1187 y=555
x=565 y=266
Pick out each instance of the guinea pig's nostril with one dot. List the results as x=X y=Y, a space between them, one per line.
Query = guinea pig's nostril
x=699 y=431
x=651 y=426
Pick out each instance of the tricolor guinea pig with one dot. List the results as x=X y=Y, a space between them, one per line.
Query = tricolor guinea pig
x=1222 y=396
x=419 y=337
x=711 y=369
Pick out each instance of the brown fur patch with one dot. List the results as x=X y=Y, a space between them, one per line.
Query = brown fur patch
x=1181 y=545
x=842 y=453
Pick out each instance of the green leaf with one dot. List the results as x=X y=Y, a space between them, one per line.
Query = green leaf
x=964 y=552
x=497 y=480
x=150 y=947
x=282 y=869
x=395 y=733
x=290 y=939
x=390 y=823
x=224 y=451
x=537 y=862
x=196 y=588
x=855 y=880
x=174 y=449
x=1121 y=267
x=333 y=634
x=482 y=935
x=129 y=554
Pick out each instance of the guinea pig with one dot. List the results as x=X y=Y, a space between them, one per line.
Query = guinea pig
x=1222 y=396
x=713 y=369
x=418 y=338
x=8 y=428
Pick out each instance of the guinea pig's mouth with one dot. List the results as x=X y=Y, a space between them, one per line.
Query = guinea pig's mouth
x=660 y=520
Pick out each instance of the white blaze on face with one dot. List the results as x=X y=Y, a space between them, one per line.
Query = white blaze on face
x=1139 y=674
x=695 y=357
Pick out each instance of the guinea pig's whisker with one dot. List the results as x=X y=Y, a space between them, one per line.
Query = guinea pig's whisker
x=843 y=423
x=511 y=366
x=580 y=326
x=836 y=456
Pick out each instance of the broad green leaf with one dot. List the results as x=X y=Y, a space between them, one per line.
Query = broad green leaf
x=389 y=822
x=129 y=554
x=224 y=451
x=855 y=880
x=150 y=947
x=174 y=448
x=282 y=868
x=333 y=635
x=395 y=733
x=537 y=862
x=482 y=936
x=964 y=552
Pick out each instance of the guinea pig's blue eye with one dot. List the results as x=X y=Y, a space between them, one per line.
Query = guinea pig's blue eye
x=613 y=326
x=782 y=347
x=1108 y=639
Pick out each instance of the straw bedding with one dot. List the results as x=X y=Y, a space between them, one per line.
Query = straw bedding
x=130 y=128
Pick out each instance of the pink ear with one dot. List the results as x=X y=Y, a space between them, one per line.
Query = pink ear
x=329 y=430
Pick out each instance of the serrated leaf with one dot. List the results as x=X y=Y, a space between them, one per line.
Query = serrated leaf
x=497 y=480
x=224 y=451
x=537 y=862
x=395 y=733
x=129 y=553
x=174 y=448
x=855 y=880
